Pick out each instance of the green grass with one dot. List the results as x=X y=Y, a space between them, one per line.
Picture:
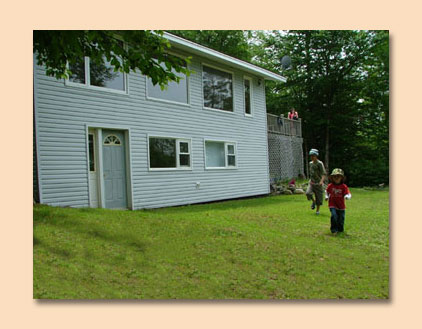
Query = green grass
x=260 y=248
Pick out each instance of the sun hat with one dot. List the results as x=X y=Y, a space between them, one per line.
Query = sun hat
x=337 y=171
x=314 y=152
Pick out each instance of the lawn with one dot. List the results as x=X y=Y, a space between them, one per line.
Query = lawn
x=260 y=248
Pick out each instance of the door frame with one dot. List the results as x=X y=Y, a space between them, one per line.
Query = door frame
x=100 y=177
x=94 y=133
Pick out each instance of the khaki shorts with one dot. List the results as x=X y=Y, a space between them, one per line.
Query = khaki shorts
x=316 y=189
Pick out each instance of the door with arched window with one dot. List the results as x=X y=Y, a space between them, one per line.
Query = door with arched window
x=114 y=169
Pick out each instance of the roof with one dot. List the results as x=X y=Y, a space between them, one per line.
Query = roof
x=197 y=49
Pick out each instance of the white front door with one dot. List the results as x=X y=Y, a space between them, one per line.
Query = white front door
x=114 y=169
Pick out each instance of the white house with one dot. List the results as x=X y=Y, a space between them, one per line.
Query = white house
x=120 y=142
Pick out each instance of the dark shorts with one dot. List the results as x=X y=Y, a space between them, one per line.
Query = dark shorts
x=316 y=189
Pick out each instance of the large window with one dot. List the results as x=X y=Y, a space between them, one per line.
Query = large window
x=169 y=153
x=175 y=92
x=217 y=89
x=86 y=73
x=247 y=85
x=220 y=154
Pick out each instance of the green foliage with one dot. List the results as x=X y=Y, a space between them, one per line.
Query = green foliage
x=261 y=248
x=230 y=42
x=339 y=83
x=126 y=50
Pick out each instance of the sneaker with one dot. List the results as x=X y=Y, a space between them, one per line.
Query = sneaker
x=313 y=205
x=317 y=212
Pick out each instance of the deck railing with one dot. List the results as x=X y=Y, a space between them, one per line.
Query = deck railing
x=284 y=126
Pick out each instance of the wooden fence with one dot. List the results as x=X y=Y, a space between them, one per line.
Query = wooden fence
x=284 y=126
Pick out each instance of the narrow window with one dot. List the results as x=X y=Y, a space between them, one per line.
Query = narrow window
x=184 y=154
x=247 y=88
x=91 y=146
x=78 y=71
x=231 y=155
x=217 y=89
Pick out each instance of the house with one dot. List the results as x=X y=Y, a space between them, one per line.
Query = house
x=117 y=141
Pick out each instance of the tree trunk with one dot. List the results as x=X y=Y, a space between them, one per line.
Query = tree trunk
x=306 y=158
x=327 y=146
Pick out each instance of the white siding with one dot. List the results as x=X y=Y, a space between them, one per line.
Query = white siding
x=63 y=112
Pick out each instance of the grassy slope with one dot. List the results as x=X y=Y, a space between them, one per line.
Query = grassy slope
x=272 y=247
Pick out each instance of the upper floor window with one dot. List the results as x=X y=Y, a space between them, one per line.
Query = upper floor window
x=247 y=86
x=175 y=91
x=87 y=73
x=217 y=89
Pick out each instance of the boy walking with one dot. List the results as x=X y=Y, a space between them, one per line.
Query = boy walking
x=317 y=175
x=336 y=193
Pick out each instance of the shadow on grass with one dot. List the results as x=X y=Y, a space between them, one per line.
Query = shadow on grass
x=56 y=250
x=72 y=223
x=44 y=214
x=249 y=202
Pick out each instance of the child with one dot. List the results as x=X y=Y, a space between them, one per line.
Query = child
x=293 y=114
x=292 y=185
x=317 y=174
x=336 y=192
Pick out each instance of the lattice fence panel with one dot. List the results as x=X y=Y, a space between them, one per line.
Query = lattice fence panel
x=285 y=156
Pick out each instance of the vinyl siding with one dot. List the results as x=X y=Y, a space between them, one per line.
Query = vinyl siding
x=35 y=195
x=63 y=113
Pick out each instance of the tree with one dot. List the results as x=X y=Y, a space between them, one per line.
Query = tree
x=372 y=140
x=230 y=42
x=125 y=50
x=339 y=84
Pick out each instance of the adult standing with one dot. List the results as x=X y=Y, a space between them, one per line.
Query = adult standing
x=317 y=175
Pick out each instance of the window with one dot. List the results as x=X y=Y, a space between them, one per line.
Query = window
x=112 y=140
x=169 y=153
x=217 y=89
x=175 y=92
x=231 y=156
x=78 y=72
x=86 y=73
x=91 y=154
x=247 y=88
x=220 y=154
x=104 y=76
x=184 y=154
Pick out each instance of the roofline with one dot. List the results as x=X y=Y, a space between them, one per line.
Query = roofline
x=210 y=53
